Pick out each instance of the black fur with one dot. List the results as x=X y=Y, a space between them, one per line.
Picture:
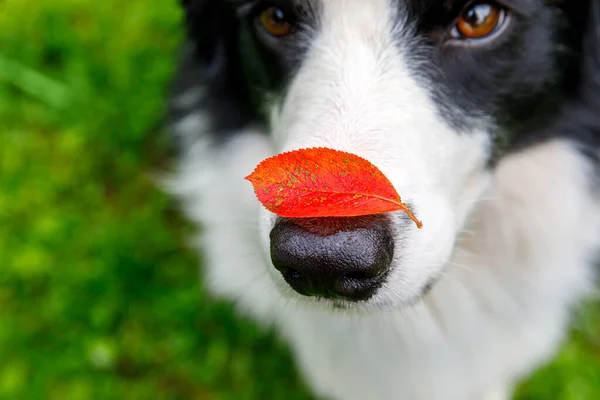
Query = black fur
x=513 y=78
x=525 y=79
x=579 y=117
x=211 y=60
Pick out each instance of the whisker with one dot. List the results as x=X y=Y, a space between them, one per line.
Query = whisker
x=463 y=267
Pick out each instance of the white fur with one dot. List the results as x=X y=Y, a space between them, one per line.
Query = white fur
x=513 y=248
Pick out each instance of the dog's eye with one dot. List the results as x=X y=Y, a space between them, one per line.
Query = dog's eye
x=479 y=20
x=274 y=21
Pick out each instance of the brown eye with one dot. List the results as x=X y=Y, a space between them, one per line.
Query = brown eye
x=479 y=21
x=275 y=23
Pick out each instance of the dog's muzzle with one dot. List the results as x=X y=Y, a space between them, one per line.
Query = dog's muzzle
x=333 y=257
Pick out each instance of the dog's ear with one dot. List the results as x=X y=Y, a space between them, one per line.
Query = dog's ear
x=211 y=65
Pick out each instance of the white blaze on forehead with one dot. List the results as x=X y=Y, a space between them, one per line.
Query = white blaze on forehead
x=355 y=91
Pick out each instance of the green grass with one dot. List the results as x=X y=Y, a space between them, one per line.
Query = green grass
x=99 y=296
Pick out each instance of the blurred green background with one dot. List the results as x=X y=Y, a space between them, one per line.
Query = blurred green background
x=99 y=296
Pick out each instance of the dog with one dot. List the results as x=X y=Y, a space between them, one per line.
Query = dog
x=484 y=115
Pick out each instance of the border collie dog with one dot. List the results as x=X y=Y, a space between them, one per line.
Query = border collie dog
x=484 y=115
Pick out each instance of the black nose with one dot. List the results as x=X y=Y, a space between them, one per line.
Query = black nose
x=333 y=257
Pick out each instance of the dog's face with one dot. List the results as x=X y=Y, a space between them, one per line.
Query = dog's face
x=428 y=91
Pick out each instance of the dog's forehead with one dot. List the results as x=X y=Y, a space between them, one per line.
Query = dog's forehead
x=314 y=8
x=415 y=6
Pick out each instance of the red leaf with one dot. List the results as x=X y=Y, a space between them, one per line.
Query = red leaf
x=322 y=182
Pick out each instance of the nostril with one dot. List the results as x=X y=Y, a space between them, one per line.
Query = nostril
x=296 y=280
x=296 y=276
x=358 y=285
